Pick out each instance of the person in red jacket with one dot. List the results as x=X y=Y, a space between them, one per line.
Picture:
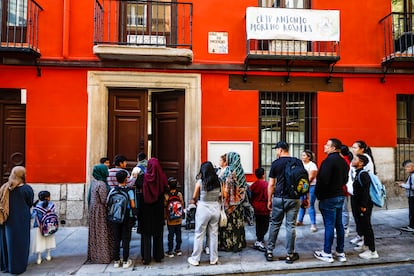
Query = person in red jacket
x=259 y=199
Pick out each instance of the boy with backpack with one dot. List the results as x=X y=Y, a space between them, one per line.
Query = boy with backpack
x=121 y=217
x=45 y=225
x=409 y=188
x=174 y=214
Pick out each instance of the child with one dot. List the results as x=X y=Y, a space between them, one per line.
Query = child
x=122 y=231
x=40 y=243
x=259 y=202
x=174 y=203
x=362 y=207
x=409 y=187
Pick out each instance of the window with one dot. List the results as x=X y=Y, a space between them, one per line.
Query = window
x=14 y=12
x=148 y=22
x=296 y=4
x=289 y=117
x=405 y=133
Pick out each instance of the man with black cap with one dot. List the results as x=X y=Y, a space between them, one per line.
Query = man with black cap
x=281 y=205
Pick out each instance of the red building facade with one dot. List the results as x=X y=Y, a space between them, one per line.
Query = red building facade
x=80 y=80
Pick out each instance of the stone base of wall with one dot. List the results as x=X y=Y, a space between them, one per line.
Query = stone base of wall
x=69 y=199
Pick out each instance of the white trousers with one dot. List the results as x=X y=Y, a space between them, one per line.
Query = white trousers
x=207 y=216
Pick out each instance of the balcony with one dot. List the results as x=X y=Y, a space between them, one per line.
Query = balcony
x=291 y=37
x=398 y=40
x=143 y=31
x=19 y=31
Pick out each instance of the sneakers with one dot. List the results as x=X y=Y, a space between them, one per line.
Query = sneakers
x=340 y=257
x=321 y=255
x=356 y=240
x=178 y=252
x=127 y=264
x=169 y=254
x=313 y=228
x=117 y=263
x=48 y=256
x=361 y=248
x=191 y=261
x=39 y=259
x=407 y=229
x=207 y=250
x=368 y=254
x=259 y=246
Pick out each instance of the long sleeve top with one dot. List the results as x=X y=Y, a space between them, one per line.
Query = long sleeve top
x=361 y=186
x=332 y=175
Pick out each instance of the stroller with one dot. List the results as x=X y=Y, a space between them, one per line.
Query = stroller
x=190 y=216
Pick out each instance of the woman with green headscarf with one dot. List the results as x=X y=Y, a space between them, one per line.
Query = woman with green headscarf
x=100 y=238
x=232 y=237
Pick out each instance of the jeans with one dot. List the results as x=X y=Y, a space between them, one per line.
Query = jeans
x=311 y=209
x=174 y=230
x=331 y=210
x=345 y=213
x=280 y=208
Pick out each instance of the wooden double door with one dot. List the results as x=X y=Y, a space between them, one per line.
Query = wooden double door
x=148 y=121
x=12 y=132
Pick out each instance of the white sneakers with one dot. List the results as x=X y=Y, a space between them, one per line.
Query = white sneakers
x=356 y=240
x=361 y=248
x=313 y=228
x=127 y=264
x=340 y=257
x=259 y=246
x=368 y=254
x=117 y=263
x=193 y=262
x=321 y=255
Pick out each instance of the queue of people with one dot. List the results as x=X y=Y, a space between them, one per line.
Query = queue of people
x=152 y=201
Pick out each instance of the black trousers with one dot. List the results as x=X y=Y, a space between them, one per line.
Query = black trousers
x=174 y=230
x=122 y=232
x=364 y=225
x=154 y=242
x=411 y=211
x=262 y=225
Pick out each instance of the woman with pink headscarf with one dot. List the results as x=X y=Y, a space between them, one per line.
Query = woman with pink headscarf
x=154 y=186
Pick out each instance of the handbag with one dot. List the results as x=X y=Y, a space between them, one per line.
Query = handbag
x=223 y=216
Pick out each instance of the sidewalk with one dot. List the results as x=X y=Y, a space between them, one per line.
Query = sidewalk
x=392 y=245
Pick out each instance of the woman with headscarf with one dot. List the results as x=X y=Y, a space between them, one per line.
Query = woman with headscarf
x=100 y=238
x=154 y=186
x=232 y=237
x=16 y=199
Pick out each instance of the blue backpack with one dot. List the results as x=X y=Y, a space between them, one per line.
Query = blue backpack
x=376 y=189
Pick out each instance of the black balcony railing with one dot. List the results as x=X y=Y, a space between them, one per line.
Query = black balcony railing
x=143 y=23
x=398 y=36
x=293 y=49
x=20 y=28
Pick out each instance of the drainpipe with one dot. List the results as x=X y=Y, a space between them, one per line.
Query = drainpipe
x=66 y=29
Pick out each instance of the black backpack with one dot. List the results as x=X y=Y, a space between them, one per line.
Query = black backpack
x=117 y=204
x=296 y=179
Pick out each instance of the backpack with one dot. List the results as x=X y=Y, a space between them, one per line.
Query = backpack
x=297 y=178
x=174 y=206
x=49 y=223
x=117 y=205
x=376 y=189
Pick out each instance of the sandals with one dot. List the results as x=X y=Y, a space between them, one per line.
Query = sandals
x=291 y=258
x=269 y=256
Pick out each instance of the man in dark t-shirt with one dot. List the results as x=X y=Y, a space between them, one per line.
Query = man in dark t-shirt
x=281 y=205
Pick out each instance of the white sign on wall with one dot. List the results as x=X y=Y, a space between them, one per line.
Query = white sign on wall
x=215 y=149
x=218 y=43
x=292 y=24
